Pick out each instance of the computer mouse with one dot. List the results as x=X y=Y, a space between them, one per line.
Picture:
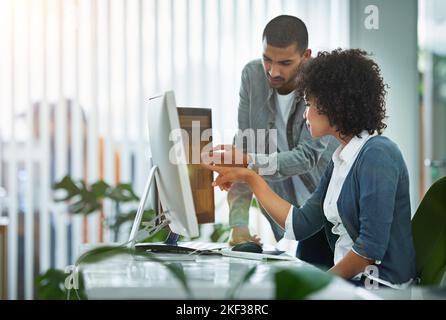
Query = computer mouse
x=248 y=247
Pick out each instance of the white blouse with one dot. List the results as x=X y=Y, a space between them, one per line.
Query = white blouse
x=343 y=159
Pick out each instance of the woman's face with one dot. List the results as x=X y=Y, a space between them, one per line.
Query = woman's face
x=317 y=123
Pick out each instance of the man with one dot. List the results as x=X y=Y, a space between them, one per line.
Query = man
x=268 y=102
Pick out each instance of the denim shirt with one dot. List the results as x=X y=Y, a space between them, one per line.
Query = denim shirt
x=374 y=206
x=307 y=157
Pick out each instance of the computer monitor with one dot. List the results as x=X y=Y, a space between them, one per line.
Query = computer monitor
x=169 y=170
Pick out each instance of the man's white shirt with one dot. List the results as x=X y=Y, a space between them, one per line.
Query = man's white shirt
x=284 y=104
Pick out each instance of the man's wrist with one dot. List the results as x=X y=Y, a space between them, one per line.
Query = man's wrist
x=240 y=228
x=238 y=232
x=250 y=177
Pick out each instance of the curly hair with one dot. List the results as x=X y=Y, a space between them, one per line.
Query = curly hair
x=348 y=88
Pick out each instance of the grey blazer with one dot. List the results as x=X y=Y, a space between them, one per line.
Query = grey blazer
x=307 y=157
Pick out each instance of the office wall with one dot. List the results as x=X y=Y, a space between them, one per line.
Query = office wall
x=394 y=46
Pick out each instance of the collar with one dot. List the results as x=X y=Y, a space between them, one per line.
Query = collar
x=348 y=152
x=271 y=103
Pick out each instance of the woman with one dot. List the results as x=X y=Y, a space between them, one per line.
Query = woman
x=362 y=201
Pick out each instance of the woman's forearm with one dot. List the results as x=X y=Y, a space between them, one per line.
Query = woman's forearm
x=276 y=207
x=350 y=265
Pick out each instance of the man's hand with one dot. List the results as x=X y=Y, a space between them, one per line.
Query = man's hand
x=228 y=175
x=228 y=155
x=241 y=234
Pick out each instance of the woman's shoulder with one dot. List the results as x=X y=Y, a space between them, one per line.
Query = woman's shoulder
x=381 y=143
x=381 y=149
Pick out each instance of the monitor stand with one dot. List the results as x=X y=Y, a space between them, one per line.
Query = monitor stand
x=153 y=226
x=172 y=239
x=170 y=245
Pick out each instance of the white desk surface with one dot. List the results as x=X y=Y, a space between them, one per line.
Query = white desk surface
x=209 y=277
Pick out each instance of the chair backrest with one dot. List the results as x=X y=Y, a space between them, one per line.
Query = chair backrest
x=429 y=234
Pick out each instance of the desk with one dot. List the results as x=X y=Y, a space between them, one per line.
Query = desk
x=413 y=293
x=209 y=277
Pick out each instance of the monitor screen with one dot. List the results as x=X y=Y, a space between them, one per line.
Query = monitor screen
x=172 y=180
x=168 y=154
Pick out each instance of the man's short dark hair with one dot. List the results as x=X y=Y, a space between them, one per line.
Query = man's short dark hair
x=284 y=30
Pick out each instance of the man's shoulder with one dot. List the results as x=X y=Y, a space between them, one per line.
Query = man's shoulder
x=254 y=68
x=254 y=79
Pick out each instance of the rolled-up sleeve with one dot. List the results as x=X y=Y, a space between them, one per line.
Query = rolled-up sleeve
x=289 y=231
x=299 y=160
x=239 y=201
x=307 y=220
x=240 y=196
x=378 y=178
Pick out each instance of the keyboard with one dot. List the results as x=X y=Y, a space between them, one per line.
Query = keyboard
x=256 y=256
x=182 y=248
x=149 y=247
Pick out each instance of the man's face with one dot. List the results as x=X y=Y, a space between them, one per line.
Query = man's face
x=281 y=66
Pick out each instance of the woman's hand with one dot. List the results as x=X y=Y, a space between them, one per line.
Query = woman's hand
x=228 y=175
x=276 y=207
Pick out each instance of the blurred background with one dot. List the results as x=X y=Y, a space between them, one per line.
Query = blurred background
x=76 y=76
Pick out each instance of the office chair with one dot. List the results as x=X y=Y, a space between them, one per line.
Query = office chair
x=429 y=235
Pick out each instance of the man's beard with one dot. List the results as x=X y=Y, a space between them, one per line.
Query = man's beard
x=292 y=79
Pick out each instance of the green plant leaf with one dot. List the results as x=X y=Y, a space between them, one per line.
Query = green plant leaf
x=175 y=269
x=231 y=293
x=76 y=207
x=148 y=214
x=221 y=233
x=69 y=186
x=85 y=201
x=101 y=253
x=79 y=294
x=92 y=202
x=160 y=236
x=299 y=283
x=122 y=193
x=84 y=206
x=51 y=286
x=99 y=188
x=105 y=252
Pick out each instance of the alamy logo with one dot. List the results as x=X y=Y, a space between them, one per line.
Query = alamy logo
x=371 y=21
x=372 y=272
x=260 y=141
x=72 y=281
